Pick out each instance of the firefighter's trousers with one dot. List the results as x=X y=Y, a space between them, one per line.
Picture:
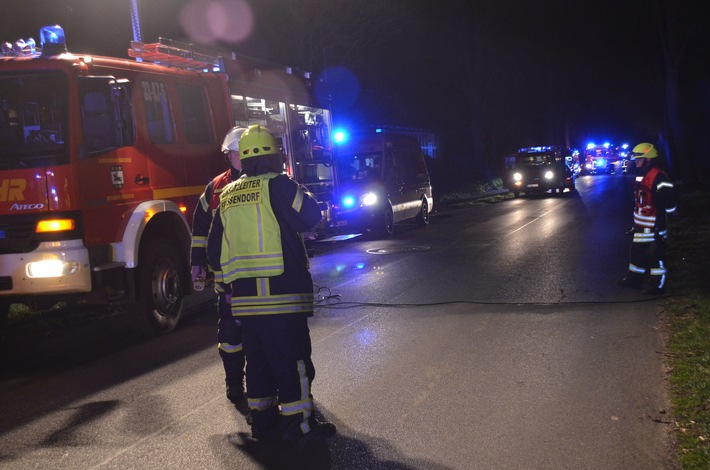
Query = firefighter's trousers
x=279 y=372
x=229 y=342
x=647 y=262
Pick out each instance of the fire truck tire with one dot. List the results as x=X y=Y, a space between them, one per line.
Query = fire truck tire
x=423 y=216
x=160 y=290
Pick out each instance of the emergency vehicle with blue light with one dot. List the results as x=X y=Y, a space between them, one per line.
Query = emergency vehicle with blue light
x=102 y=161
x=382 y=180
x=599 y=159
x=538 y=170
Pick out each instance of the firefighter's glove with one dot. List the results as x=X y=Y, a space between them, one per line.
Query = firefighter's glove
x=222 y=288
x=630 y=232
x=198 y=272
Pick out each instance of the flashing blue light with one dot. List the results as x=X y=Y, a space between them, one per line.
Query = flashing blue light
x=52 y=35
x=348 y=202
x=378 y=131
x=52 y=40
x=590 y=145
x=607 y=145
x=340 y=136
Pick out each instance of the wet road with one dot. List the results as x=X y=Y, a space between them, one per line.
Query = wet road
x=494 y=338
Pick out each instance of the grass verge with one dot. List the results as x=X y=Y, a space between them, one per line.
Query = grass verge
x=687 y=314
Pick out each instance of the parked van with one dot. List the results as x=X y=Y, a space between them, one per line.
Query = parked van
x=382 y=180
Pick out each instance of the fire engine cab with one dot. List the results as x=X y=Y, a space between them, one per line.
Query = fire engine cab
x=102 y=161
x=599 y=159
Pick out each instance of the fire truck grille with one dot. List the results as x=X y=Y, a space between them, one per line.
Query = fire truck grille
x=17 y=234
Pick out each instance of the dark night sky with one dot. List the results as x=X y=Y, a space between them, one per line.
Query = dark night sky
x=534 y=68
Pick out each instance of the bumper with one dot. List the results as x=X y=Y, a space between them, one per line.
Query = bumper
x=356 y=221
x=53 y=268
x=536 y=187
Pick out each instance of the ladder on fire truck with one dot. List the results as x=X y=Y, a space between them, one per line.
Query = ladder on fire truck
x=172 y=53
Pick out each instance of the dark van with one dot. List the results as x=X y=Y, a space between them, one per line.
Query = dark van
x=382 y=179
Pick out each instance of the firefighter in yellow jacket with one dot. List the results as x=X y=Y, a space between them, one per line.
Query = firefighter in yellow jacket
x=255 y=242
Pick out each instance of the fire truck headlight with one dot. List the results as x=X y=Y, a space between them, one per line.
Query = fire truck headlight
x=51 y=268
x=369 y=199
x=517 y=176
x=549 y=175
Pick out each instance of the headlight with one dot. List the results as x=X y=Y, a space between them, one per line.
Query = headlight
x=369 y=199
x=51 y=268
x=549 y=175
x=517 y=176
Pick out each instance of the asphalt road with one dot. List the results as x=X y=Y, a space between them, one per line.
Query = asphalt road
x=495 y=338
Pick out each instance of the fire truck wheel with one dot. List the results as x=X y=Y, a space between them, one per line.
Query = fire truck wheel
x=423 y=216
x=159 y=287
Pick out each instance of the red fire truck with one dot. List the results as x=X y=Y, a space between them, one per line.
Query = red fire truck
x=102 y=161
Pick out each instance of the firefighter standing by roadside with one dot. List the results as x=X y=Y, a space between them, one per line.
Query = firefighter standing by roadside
x=229 y=331
x=654 y=199
x=256 y=241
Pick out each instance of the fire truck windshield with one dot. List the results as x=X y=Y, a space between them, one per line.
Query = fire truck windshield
x=531 y=160
x=33 y=119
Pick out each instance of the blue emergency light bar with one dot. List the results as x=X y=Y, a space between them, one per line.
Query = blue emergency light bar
x=536 y=149
x=52 y=40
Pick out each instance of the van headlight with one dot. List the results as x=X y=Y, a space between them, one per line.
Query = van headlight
x=369 y=199
x=549 y=175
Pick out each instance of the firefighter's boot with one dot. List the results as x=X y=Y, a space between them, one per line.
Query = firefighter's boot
x=234 y=379
x=265 y=423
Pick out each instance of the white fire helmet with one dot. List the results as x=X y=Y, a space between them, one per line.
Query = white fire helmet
x=231 y=140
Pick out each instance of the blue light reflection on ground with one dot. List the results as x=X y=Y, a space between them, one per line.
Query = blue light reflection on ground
x=347 y=263
x=366 y=336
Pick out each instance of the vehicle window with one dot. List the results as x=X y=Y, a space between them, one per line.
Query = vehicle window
x=33 y=119
x=361 y=167
x=531 y=160
x=195 y=114
x=157 y=110
x=419 y=166
x=97 y=117
x=405 y=165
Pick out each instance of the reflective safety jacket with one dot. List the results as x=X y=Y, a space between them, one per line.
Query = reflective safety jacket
x=251 y=243
x=202 y=217
x=256 y=241
x=654 y=198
